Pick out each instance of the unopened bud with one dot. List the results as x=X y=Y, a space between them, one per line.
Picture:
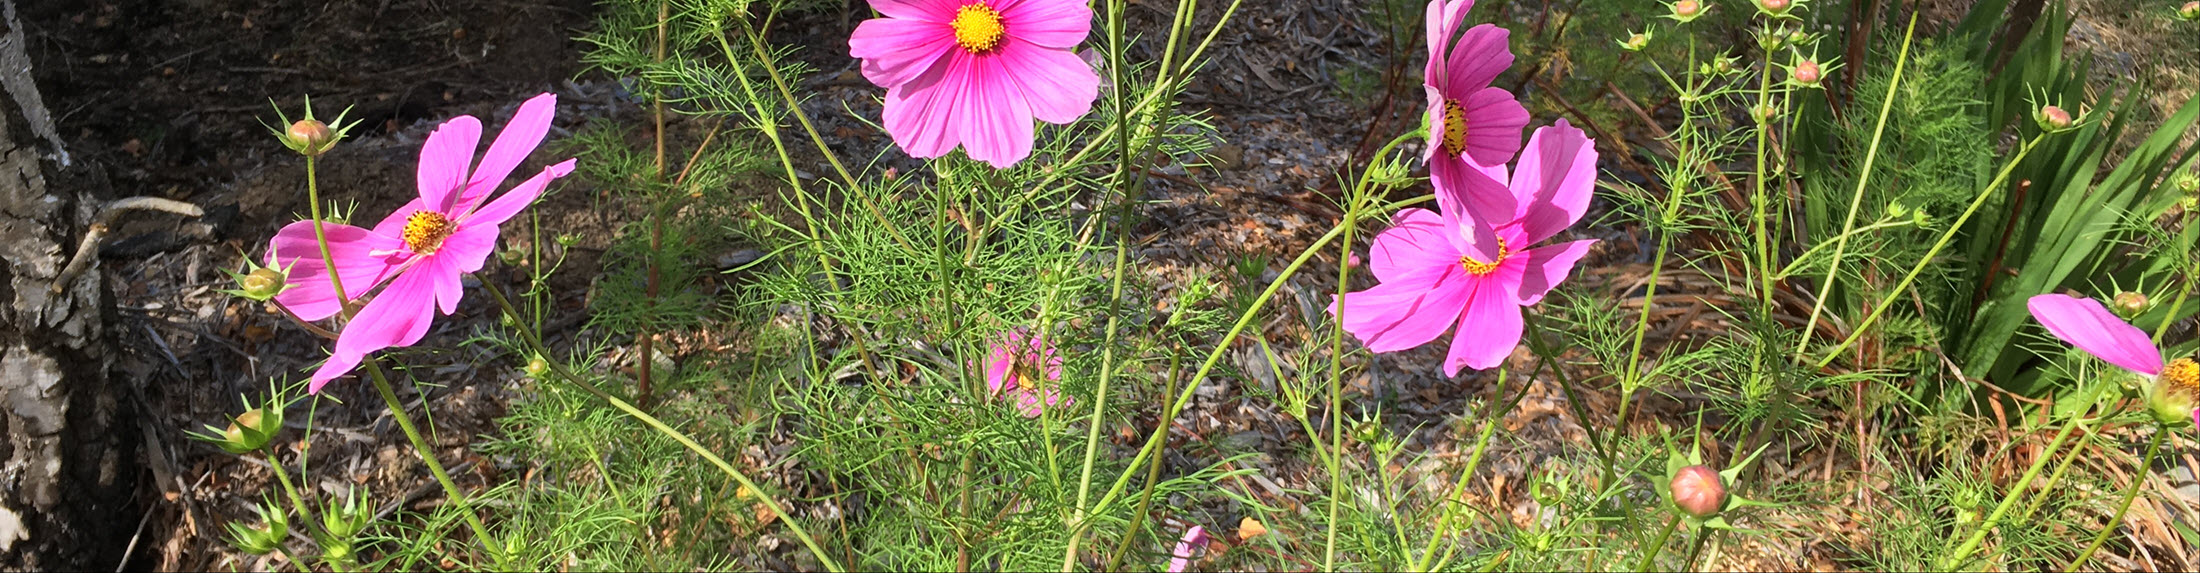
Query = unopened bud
x=1766 y=113
x=1775 y=7
x=537 y=367
x=2190 y=11
x=2053 y=118
x=1636 y=42
x=1698 y=491
x=1687 y=10
x=1807 y=73
x=311 y=137
x=264 y=539
x=2130 y=304
x=2188 y=183
x=251 y=430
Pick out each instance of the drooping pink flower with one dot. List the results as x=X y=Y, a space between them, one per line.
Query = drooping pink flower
x=1194 y=540
x=1434 y=273
x=1023 y=368
x=2173 y=387
x=420 y=250
x=975 y=73
x=1473 y=123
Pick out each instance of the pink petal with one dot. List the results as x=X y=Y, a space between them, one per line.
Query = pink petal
x=1494 y=121
x=1194 y=540
x=1000 y=361
x=444 y=159
x=1473 y=205
x=1058 y=86
x=994 y=118
x=1483 y=53
x=920 y=113
x=1027 y=401
x=1556 y=177
x=398 y=317
x=1404 y=314
x=394 y=224
x=1488 y=330
x=1547 y=266
x=926 y=10
x=444 y=278
x=897 y=51
x=313 y=298
x=1050 y=23
x=504 y=207
x=2084 y=323
x=1444 y=18
x=519 y=138
x=1415 y=245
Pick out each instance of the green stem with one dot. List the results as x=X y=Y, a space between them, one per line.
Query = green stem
x=2009 y=500
x=320 y=237
x=1856 y=198
x=1459 y=488
x=1651 y=555
x=2138 y=478
x=1945 y=238
x=1336 y=374
x=1153 y=479
x=794 y=107
x=534 y=343
x=2175 y=305
x=427 y=455
x=1695 y=549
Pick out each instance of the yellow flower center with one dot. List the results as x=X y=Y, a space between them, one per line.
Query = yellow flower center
x=1455 y=127
x=2182 y=377
x=425 y=231
x=1027 y=376
x=978 y=27
x=1479 y=268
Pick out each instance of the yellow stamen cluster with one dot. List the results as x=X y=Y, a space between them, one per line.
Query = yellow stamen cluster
x=2182 y=377
x=1027 y=376
x=1455 y=127
x=1479 y=268
x=425 y=231
x=978 y=27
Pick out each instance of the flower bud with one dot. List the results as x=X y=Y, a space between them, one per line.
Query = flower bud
x=251 y=430
x=1775 y=8
x=310 y=137
x=2190 y=11
x=1698 y=491
x=260 y=283
x=1765 y=113
x=1636 y=42
x=2188 y=183
x=1807 y=73
x=2130 y=304
x=1685 y=11
x=1798 y=37
x=2053 y=118
x=264 y=539
x=537 y=367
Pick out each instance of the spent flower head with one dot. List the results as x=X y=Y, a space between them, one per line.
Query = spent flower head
x=1685 y=11
x=261 y=283
x=264 y=539
x=1636 y=42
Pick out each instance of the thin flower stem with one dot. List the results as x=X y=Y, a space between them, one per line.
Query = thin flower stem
x=794 y=107
x=320 y=237
x=1856 y=200
x=1695 y=548
x=2015 y=491
x=1922 y=262
x=534 y=343
x=1685 y=155
x=1155 y=440
x=2175 y=305
x=1491 y=415
x=1153 y=476
x=427 y=455
x=1758 y=200
x=1650 y=555
x=2056 y=476
x=1336 y=369
x=2138 y=478
x=283 y=476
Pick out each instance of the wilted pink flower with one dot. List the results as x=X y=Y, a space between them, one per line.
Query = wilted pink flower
x=1473 y=123
x=1194 y=540
x=1439 y=270
x=976 y=72
x=2084 y=323
x=421 y=249
x=1023 y=368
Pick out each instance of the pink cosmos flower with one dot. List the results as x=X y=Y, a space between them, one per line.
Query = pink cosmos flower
x=421 y=249
x=2174 y=387
x=1024 y=368
x=976 y=72
x=1475 y=124
x=1435 y=273
x=1194 y=540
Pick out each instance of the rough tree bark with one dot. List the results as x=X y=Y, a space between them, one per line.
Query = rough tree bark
x=67 y=466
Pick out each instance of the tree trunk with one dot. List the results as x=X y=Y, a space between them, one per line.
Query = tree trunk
x=67 y=466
